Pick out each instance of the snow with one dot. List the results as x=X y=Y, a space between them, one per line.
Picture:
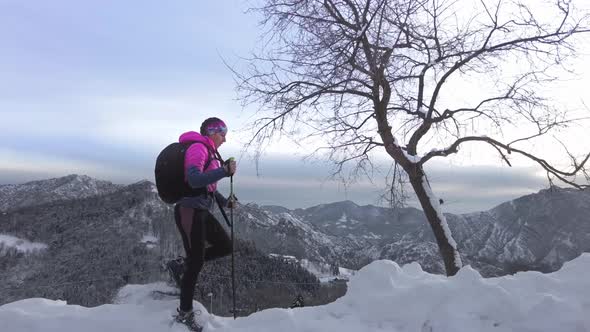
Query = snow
x=150 y=241
x=324 y=271
x=149 y=238
x=346 y=273
x=284 y=258
x=21 y=245
x=371 y=235
x=445 y=226
x=414 y=159
x=381 y=297
x=321 y=270
x=374 y=211
x=362 y=31
x=311 y=233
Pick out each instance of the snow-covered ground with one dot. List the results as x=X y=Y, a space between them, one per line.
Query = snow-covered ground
x=324 y=272
x=150 y=241
x=21 y=245
x=345 y=273
x=381 y=297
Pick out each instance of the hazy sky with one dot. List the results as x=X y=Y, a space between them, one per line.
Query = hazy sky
x=100 y=87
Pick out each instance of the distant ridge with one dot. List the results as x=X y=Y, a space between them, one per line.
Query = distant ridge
x=14 y=196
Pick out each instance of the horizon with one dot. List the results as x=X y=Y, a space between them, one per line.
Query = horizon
x=290 y=208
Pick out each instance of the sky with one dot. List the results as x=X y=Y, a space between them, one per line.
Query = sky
x=381 y=297
x=100 y=87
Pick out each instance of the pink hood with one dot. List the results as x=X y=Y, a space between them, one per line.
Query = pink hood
x=191 y=136
x=197 y=155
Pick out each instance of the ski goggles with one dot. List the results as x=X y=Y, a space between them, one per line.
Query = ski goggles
x=217 y=127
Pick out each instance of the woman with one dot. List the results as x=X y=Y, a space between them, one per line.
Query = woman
x=196 y=224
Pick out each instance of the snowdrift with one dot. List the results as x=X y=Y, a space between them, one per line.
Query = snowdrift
x=381 y=297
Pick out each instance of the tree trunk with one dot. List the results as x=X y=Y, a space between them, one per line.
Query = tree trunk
x=437 y=221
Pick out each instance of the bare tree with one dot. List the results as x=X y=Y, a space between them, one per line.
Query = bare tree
x=390 y=76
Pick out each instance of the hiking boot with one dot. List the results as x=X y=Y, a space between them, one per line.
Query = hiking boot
x=175 y=269
x=188 y=318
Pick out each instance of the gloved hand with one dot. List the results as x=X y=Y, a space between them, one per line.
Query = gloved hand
x=230 y=166
x=232 y=201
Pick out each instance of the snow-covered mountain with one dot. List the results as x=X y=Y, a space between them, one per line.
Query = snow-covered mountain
x=287 y=233
x=367 y=222
x=336 y=234
x=13 y=196
x=538 y=231
x=83 y=239
x=82 y=250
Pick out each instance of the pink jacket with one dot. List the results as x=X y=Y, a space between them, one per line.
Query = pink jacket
x=197 y=155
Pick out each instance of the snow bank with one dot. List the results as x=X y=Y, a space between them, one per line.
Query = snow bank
x=381 y=297
x=21 y=245
x=150 y=241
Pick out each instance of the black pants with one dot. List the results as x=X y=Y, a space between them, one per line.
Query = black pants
x=204 y=239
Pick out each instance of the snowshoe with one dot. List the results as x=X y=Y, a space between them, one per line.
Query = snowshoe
x=188 y=319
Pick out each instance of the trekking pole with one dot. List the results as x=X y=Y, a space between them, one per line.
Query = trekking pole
x=231 y=216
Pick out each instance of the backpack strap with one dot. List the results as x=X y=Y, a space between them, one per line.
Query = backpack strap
x=211 y=153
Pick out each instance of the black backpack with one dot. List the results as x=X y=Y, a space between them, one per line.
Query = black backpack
x=169 y=172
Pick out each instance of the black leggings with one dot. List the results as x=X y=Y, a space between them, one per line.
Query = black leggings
x=198 y=228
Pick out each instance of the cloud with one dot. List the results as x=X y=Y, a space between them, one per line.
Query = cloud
x=281 y=180
x=293 y=183
x=18 y=167
x=467 y=188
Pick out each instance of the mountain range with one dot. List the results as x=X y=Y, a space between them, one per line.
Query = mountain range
x=100 y=227
x=84 y=249
x=539 y=231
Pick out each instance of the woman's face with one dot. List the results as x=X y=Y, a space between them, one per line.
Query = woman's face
x=218 y=139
